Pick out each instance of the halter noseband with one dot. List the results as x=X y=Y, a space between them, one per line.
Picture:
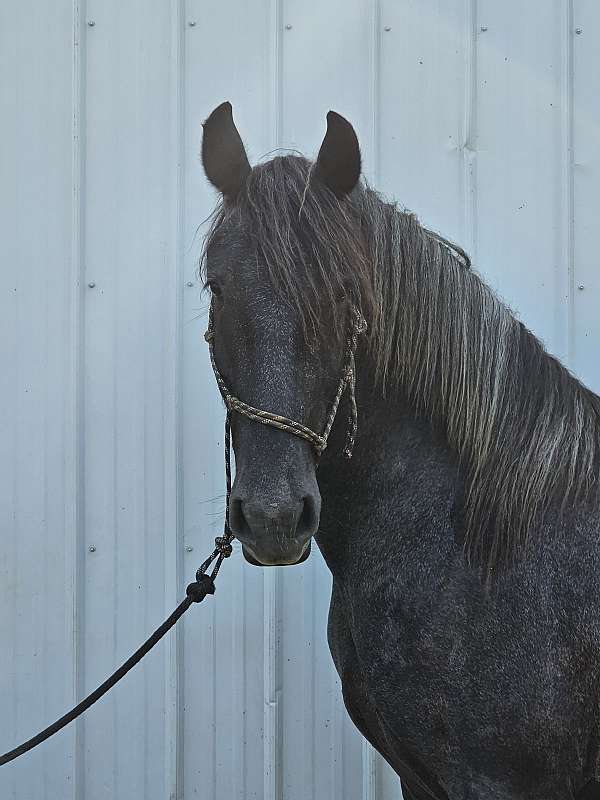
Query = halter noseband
x=358 y=325
x=348 y=378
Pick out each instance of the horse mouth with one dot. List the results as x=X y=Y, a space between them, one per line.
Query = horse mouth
x=280 y=562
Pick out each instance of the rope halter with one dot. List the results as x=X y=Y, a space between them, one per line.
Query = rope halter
x=347 y=379
x=357 y=326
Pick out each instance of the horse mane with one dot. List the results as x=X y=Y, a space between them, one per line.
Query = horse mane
x=525 y=431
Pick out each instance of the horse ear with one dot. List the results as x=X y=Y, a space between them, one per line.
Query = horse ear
x=338 y=162
x=223 y=156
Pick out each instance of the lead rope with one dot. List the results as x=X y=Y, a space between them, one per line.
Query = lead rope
x=223 y=546
x=205 y=583
x=195 y=593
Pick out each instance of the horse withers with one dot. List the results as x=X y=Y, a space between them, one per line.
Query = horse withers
x=463 y=535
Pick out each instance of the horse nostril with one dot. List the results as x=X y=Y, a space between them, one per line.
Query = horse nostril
x=237 y=520
x=309 y=518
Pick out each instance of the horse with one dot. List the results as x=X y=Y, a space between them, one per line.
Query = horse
x=463 y=535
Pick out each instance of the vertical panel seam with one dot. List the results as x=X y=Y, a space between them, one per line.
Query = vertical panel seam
x=469 y=144
x=278 y=130
x=375 y=88
x=313 y=680
x=369 y=770
x=175 y=656
x=568 y=259
x=369 y=760
x=240 y=641
x=76 y=406
x=272 y=752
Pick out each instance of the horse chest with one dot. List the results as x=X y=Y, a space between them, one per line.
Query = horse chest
x=389 y=688
x=433 y=665
x=447 y=681
x=399 y=664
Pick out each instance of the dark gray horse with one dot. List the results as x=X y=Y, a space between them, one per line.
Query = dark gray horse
x=464 y=534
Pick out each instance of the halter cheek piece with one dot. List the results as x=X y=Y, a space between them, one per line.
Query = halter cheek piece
x=357 y=326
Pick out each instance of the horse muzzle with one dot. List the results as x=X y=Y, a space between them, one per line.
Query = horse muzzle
x=276 y=560
x=275 y=533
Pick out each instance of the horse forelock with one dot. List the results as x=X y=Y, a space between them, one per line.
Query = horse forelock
x=525 y=431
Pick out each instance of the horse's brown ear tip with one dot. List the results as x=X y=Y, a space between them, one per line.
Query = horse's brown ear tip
x=333 y=118
x=223 y=109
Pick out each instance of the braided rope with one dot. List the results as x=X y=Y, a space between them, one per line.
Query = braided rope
x=276 y=421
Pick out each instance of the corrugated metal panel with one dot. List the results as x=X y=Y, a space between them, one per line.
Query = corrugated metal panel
x=131 y=288
x=38 y=420
x=481 y=117
x=519 y=163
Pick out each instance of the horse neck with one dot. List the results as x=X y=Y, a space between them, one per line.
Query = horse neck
x=457 y=367
x=371 y=502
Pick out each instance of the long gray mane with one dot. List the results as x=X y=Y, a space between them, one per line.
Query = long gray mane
x=525 y=431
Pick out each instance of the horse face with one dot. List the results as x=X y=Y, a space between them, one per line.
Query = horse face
x=262 y=353
x=262 y=347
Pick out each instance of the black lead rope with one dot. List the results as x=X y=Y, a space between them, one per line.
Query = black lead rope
x=195 y=593
x=205 y=582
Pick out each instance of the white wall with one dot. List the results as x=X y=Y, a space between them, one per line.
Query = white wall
x=111 y=428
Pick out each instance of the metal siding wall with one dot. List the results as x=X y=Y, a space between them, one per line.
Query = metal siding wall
x=519 y=165
x=482 y=119
x=585 y=188
x=128 y=357
x=37 y=416
x=420 y=125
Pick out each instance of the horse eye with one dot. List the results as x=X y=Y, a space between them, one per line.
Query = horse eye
x=215 y=289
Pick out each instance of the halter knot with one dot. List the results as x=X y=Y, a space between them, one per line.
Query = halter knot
x=198 y=590
x=223 y=545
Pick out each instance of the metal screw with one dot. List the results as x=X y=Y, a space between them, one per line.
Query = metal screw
x=483 y=28
x=189 y=548
x=388 y=28
x=581 y=287
x=578 y=31
x=288 y=27
x=91 y=284
x=190 y=283
x=92 y=548
x=91 y=23
x=192 y=23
